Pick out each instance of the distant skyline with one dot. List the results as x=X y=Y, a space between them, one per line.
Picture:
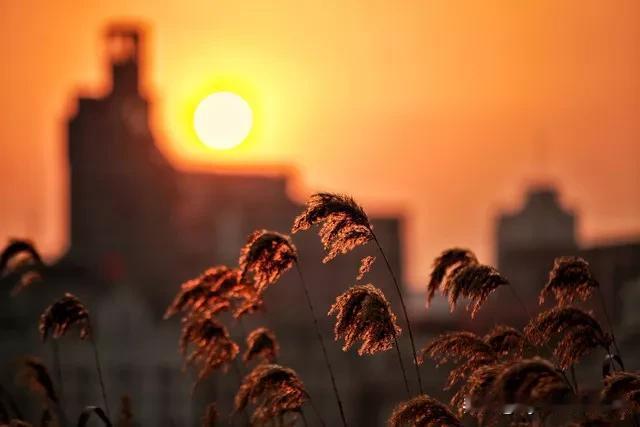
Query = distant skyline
x=441 y=112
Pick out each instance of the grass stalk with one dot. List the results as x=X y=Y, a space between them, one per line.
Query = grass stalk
x=321 y=341
x=99 y=369
x=404 y=312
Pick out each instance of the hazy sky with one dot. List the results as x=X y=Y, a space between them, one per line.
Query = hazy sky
x=441 y=110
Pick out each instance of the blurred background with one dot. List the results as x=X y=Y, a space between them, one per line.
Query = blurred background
x=511 y=128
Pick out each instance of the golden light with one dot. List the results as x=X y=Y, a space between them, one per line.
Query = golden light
x=223 y=120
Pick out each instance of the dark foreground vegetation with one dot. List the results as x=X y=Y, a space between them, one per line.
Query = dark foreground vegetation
x=505 y=377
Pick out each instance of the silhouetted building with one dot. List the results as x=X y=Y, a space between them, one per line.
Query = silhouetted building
x=528 y=241
x=139 y=228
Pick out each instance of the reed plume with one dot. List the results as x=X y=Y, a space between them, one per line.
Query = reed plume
x=366 y=264
x=266 y=255
x=506 y=341
x=212 y=346
x=579 y=333
x=446 y=264
x=273 y=390
x=35 y=376
x=423 y=411
x=262 y=343
x=345 y=224
x=83 y=420
x=66 y=312
x=457 y=273
x=125 y=418
x=204 y=292
x=475 y=282
x=210 y=417
x=569 y=280
x=474 y=396
x=20 y=261
x=465 y=349
x=364 y=314
x=625 y=387
x=533 y=382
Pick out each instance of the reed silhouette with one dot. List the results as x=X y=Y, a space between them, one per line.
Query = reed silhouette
x=423 y=411
x=210 y=344
x=274 y=390
x=261 y=344
x=66 y=312
x=345 y=226
x=267 y=255
x=492 y=374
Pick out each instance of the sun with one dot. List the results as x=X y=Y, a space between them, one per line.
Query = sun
x=223 y=120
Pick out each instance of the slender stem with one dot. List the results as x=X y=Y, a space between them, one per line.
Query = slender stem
x=321 y=341
x=99 y=369
x=238 y=372
x=609 y=324
x=304 y=419
x=315 y=410
x=58 y=369
x=574 y=378
x=404 y=372
x=404 y=311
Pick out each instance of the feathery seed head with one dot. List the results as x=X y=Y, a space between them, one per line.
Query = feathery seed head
x=273 y=389
x=20 y=260
x=364 y=314
x=366 y=264
x=530 y=382
x=622 y=386
x=345 y=224
x=212 y=346
x=462 y=348
x=473 y=281
x=63 y=314
x=423 y=411
x=506 y=341
x=266 y=255
x=262 y=343
x=570 y=279
x=579 y=333
x=444 y=264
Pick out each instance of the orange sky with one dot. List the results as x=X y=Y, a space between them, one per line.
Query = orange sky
x=435 y=109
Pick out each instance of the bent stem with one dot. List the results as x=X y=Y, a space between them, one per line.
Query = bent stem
x=99 y=369
x=609 y=325
x=404 y=372
x=59 y=406
x=321 y=341
x=404 y=311
x=316 y=411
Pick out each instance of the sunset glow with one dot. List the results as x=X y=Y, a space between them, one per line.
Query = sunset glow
x=223 y=120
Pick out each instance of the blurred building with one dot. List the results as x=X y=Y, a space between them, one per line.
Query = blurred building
x=139 y=228
x=528 y=241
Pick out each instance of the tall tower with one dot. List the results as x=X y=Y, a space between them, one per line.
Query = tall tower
x=528 y=240
x=122 y=188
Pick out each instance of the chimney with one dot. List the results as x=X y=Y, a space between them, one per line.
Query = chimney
x=123 y=49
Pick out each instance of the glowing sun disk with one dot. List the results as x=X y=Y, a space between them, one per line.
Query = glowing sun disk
x=223 y=120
